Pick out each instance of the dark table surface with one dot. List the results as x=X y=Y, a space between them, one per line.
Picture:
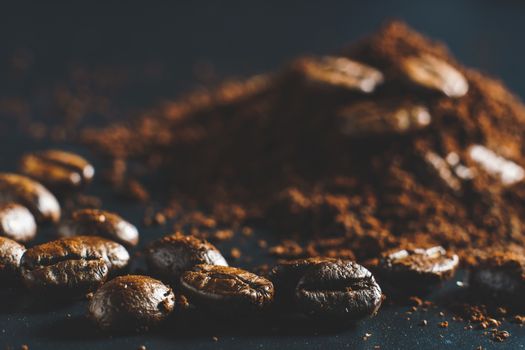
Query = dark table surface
x=235 y=38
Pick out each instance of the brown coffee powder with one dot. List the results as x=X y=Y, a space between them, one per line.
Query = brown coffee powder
x=274 y=148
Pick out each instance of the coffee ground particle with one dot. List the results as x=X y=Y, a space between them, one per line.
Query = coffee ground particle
x=443 y=324
x=500 y=336
x=235 y=253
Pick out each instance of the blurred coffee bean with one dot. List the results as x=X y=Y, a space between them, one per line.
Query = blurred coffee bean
x=287 y=274
x=417 y=270
x=339 y=289
x=31 y=194
x=87 y=222
x=340 y=72
x=131 y=303
x=72 y=265
x=433 y=73
x=499 y=276
x=172 y=255
x=383 y=117
x=505 y=170
x=57 y=169
x=10 y=254
x=227 y=289
x=17 y=222
x=439 y=169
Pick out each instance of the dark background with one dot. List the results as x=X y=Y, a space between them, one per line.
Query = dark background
x=183 y=40
x=244 y=37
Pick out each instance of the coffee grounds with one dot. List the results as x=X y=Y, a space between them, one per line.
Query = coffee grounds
x=271 y=149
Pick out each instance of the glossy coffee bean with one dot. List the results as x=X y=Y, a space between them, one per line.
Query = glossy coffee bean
x=338 y=72
x=287 y=274
x=131 y=303
x=433 y=73
x=87 y=222
x=382 y=117
x=31 y=194
x=72 y=265
x=17 y=222
x=10 y=254
x=339 y=289
x=417 y=270
x=172 y=255
x=227 y=289
x=57 y=169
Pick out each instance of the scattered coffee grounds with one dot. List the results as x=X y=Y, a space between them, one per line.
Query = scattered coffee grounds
x=390 y=142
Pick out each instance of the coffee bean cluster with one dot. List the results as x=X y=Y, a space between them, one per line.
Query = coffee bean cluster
x=90 y=258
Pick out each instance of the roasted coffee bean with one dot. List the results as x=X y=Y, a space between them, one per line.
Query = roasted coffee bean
x=499 y=276
x=131 y=303
x=57 y=169
x=440 y=171
x=505 y=170
x=339 y=289
x=341 y=72
x=17 y=222
x=87 y=222
x=31 y=194
x=433 y=73
x=75 y=265
x=383 y=117
x=417 y=270
x=227 y=289
x=10 y=254
x=171 y=255
x=287 y=274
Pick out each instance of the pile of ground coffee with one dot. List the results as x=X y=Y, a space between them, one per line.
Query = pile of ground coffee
x=419 y=150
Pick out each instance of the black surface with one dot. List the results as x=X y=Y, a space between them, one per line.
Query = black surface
x=236 y=38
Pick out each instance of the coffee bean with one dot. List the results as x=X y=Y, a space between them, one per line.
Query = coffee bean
x=433 y=73
x=340 y=72
x=10 y=254
x=339 y=289
x=31 y=194
x=17 y=222
x=171 y=255
x=76 y=265
x=417 y=270
x=287 y=274
x=227 y=289
x=86 y=222
x=131 y=303
x=383 y=117
x=499 y=276
x=57 y=169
